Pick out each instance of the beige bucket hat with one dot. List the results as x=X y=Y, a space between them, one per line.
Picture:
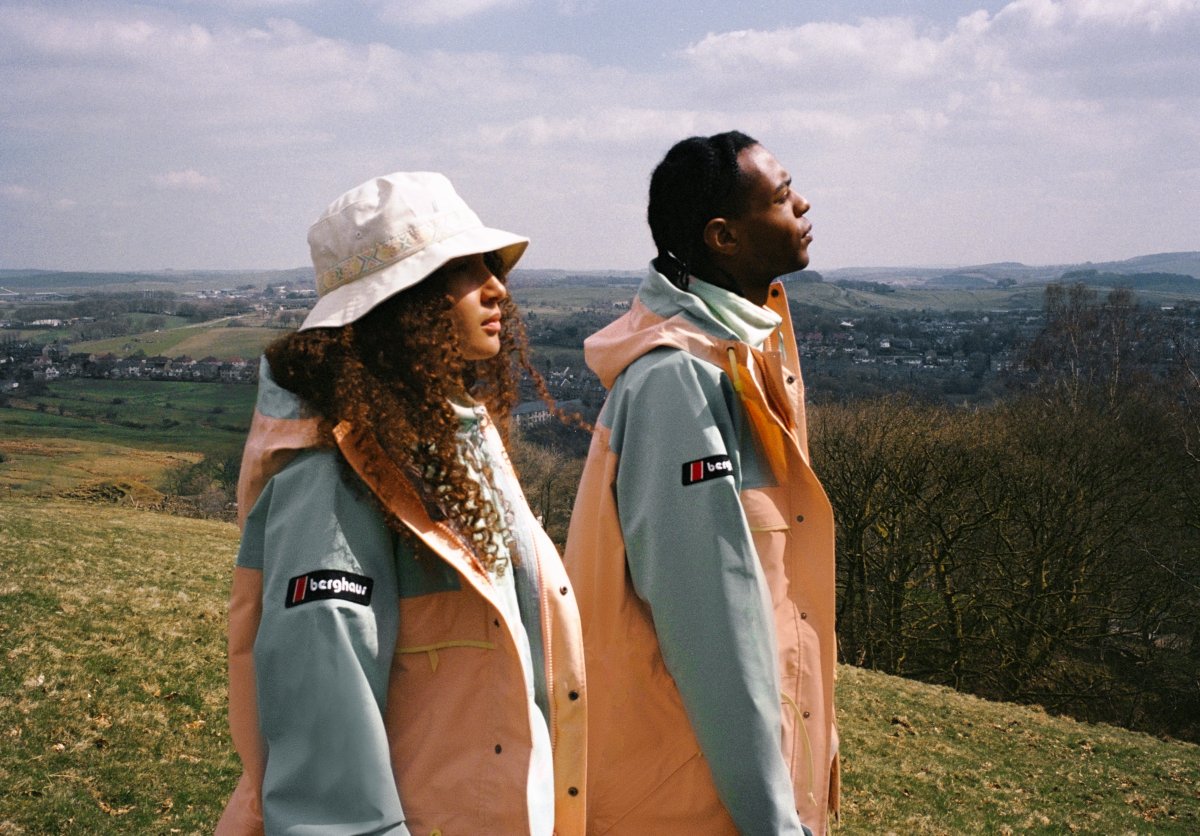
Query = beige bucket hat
x=389 y=234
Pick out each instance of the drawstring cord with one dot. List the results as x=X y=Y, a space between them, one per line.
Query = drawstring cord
x=734 y=373
x=432 y=649
x=807 y=746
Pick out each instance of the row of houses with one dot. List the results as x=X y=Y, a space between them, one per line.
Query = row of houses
x=50 y=362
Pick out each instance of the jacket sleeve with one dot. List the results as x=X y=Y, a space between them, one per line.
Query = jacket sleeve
x=323 y=653
x=692 y=559
x=243 y=812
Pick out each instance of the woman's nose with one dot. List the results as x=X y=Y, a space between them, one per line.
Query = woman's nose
x=493 y=288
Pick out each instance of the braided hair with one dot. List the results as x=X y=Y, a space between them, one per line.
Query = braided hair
x=698 y=180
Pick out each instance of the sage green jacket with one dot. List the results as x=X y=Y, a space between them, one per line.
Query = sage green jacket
x=373 y=689
x=701 y=548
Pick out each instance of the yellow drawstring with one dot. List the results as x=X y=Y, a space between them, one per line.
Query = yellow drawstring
x=733 y=366
x=807 y=746
x=432 y=649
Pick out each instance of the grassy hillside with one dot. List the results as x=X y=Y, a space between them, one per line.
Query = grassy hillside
x=112 y=700
x=112 y=707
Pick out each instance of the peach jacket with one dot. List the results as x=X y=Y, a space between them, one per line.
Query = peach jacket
x=702 y=552
x=374 y=691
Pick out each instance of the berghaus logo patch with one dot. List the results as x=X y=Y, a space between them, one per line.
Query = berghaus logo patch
x=324 y=584
x=701 y=470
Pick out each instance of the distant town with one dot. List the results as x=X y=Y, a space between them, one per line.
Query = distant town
x=948 y=335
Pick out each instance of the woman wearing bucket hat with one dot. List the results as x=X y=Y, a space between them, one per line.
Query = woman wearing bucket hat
x=404 y=646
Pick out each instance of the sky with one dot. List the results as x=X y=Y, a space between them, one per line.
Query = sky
x=209 y=134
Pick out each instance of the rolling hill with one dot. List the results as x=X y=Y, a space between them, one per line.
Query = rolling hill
x=112 y=706
x=1183 y=263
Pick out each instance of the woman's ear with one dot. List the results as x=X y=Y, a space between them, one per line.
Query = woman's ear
x=719 y=237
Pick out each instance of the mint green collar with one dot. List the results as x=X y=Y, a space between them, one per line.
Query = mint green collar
x=467 y=409
x=750 y=323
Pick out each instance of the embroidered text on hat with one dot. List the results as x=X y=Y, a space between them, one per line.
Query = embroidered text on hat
x=711 y=467
x=325 y=584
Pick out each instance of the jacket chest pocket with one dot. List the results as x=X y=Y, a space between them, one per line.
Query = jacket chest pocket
x=443 y=632
x=763 y=509
x=769 y=529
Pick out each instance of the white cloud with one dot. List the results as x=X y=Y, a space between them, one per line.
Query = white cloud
x=598 y=127
x=188 y=180
x=1004 y=123
x=17 y=192
x=577 y=7
x=904 y=129
x=437 y=12
x=253 y=4
x=884 y=46
x=1038 y=65
x=1151 y=15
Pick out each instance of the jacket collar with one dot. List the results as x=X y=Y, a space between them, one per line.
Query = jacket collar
x=750 y=323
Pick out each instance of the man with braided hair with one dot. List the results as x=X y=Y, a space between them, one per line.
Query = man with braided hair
x=701 y=543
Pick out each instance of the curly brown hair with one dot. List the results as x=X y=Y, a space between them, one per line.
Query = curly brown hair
x=394 y=372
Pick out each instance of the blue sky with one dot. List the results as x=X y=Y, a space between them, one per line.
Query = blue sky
x=211 y=133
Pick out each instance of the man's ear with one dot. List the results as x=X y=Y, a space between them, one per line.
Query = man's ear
x=719 y=237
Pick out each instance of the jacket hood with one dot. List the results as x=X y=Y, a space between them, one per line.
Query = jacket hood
x=660 y=315
x=281 y=428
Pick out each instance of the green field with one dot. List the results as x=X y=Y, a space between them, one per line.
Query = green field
x=162 y=415
x=553 y=299
x=224 y=339
x=558 y=299
x=1029 y=297
x=849 y=300
x=167 y=321
x=137 y=441
x=561 y=299
x=119 y=438
x=113 y=709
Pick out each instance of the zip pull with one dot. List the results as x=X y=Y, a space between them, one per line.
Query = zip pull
x=734 y=373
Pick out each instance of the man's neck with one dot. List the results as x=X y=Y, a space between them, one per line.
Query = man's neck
x=750 y=289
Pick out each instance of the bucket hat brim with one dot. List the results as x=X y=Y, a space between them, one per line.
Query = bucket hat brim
x=352 y=301
x=389 y=234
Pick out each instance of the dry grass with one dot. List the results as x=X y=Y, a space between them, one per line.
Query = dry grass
x=35 y=466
